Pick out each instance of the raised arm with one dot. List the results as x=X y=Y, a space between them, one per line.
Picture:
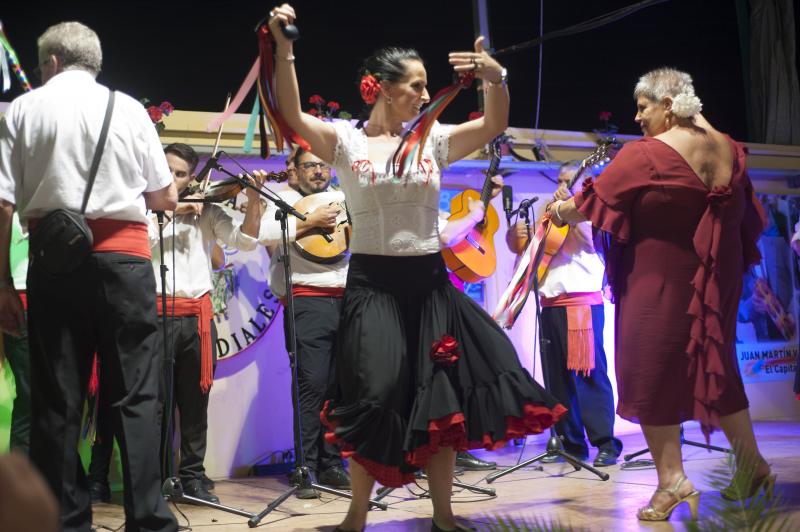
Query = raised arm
x=320 y=135
x=470 y=136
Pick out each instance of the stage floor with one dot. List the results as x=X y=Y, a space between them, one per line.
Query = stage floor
x=574 y=498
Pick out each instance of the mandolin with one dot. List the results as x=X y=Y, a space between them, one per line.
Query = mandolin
x=319 y=245
x=475 y=258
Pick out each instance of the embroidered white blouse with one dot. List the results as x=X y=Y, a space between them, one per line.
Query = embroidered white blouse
x=390 y=215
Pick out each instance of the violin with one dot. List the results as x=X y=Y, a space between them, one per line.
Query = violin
x=222 y=191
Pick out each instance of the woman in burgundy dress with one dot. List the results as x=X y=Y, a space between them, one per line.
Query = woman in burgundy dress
x=679 y=208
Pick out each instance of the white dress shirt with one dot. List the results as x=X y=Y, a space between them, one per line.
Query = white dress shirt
x=576 y=267
x=47 y=142
x=304 y=271
x=188 y=241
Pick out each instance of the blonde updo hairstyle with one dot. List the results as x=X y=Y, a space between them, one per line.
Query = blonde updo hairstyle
x=670 y=83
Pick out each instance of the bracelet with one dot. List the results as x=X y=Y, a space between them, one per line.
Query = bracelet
x=288 y=59
x=502 y=82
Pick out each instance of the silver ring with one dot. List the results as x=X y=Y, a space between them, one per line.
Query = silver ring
x=474 y=63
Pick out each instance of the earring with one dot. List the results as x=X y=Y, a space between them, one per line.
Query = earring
x=389 y=100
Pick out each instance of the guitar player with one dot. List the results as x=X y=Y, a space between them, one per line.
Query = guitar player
x=317 y=288
x=571 y=325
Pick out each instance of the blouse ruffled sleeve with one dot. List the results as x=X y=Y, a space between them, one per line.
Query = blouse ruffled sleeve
x=607 y=201
x=344 y=142
x=440 y=142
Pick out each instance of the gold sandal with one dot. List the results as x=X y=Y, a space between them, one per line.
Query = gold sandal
x=650 y=513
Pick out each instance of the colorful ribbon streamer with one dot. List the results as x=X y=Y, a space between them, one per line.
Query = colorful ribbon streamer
x=8 y=55
x=417 y=131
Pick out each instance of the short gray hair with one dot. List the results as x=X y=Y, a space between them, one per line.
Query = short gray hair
x=670 y=83
x=663 y=82
x=76 y=45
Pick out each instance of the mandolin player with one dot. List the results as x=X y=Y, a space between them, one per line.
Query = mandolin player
x=317 y=287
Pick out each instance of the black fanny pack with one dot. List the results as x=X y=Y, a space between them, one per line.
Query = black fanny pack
x=62 y=240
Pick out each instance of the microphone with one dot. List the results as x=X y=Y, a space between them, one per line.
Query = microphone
x=290 y=31
x=508 y=202
x=211 y=164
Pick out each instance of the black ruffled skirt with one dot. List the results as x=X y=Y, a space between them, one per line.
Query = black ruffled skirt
x=419 y=366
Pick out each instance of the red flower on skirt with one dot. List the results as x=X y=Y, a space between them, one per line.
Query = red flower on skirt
x=369 y=89
x=444 y=351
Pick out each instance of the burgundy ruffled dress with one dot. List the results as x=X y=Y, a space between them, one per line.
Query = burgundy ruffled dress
x=678 y=254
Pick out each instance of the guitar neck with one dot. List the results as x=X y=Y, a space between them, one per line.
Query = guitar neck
x=494 y=166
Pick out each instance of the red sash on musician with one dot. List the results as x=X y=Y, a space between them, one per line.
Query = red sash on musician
x=201 y=308
x=580 y=333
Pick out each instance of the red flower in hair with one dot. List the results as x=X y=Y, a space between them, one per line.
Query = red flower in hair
x=444 y=351
x=155 y=113
x=333 y=106
x=166 y=108
x=474 y=115
x=369 y=89
x=316 y=99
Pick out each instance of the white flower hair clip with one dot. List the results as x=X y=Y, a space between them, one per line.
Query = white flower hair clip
x=686 y=105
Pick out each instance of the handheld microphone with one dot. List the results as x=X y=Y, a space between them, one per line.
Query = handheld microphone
x=211 y=164
x=290 y=31
x=508 y=202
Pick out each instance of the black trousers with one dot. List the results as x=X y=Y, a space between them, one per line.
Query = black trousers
x=105 y=306
x=316 y=322
x=590 y=399
x=191 y=403
x=16 y=349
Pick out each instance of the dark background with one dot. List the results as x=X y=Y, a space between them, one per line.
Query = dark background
x=193 y=53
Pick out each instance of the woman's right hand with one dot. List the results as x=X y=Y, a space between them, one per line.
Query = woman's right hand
x=281 y=15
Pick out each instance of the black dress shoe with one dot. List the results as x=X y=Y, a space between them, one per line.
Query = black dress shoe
x=335 y=477
x=99 y=491
x=208 y=484
x=194 y=488
x=469 y=462
x=605 y=458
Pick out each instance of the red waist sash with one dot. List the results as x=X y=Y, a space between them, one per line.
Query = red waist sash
x=201 y=308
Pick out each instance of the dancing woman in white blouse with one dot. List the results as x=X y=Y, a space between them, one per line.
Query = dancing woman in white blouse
x=422 y=371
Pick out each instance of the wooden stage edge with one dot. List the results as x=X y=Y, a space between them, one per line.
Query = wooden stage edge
x=574 y=498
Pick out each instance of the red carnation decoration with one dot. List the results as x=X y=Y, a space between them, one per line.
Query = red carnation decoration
x=333 y=106
x=444 y=351
x=312 y=112
x=604 y=116
x=474 y=115
x=316 y=100
x=369 y=89
x=166 y=108
x=155 y=113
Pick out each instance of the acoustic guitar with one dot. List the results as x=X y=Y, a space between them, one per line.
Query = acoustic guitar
x=475 y=258
x=555 y=236
x=320 y=245
x=544 y=243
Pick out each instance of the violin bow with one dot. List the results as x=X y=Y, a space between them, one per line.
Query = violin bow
x=207 y=180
